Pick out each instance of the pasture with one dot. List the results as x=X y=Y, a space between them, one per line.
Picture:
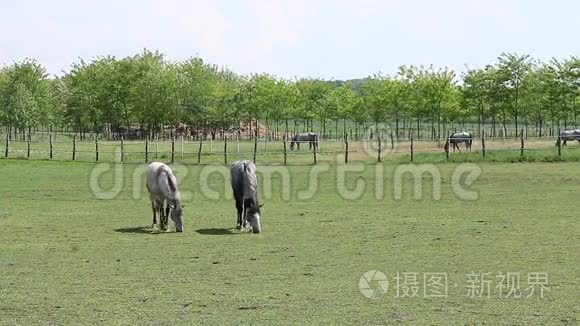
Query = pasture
x=67 y=257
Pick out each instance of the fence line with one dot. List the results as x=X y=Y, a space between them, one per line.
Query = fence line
x=128 y=148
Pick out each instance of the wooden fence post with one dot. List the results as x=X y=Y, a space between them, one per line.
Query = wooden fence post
x=199 y=151
x=147 y=149
x=7 y=142
x=74 y=150
x=238 y=141
x=314 y=151
x=172 y=149
x=447 y=143
x=379 y=146
x=49 y=146
x=122 y=150
x=522 y=141
x=97 y=147
x=483 y=143
x=225 y=150
x=181 y=146
x=28 y=146
x=411 y=146
x=392 y=141
x=559 y=144
x=266 y=143
x=285 y=151
x=156 y=145
x=345 y=148
x=255 y=144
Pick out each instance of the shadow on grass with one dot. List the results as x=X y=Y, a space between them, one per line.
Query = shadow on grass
x=216 y=231
x=142 y=230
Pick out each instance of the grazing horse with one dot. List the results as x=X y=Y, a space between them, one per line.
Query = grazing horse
x=162 y=187
x=569 y=135
x=310 y=137
x=245 y=187
x=460 y=137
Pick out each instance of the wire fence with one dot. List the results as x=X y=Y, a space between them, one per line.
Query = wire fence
x=265 y=151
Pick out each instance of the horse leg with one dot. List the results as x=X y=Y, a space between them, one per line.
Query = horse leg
x=240 y=209
x=154 y=214
x=162 y=216
x=167 y=211
x=247 y=203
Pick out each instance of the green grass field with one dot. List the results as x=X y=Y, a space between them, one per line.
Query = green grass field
x=67 y=257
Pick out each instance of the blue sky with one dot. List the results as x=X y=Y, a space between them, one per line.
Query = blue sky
x=318 y=38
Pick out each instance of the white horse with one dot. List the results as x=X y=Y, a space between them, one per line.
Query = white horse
x=163 y=191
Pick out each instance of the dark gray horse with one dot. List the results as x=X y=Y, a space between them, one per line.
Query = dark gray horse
x=459 y=137
x=245 y=187
x=310 y=137
x=569 y=135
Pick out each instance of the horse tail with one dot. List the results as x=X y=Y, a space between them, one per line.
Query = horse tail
x=168 y=175
x=245 y=169
x=170 y=183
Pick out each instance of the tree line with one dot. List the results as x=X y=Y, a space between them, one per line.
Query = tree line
x=149 y=93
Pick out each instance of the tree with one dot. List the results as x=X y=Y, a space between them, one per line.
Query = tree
x=154 y=93
x=513 y=68
x=346 y=102
x=25 y=95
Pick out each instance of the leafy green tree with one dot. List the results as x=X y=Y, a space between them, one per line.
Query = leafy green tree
x=197 y=81
x=513 y=68
x=25 y=95
x=154 y=93
x=346 y=102
x=375 y=92
x=314 y=105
